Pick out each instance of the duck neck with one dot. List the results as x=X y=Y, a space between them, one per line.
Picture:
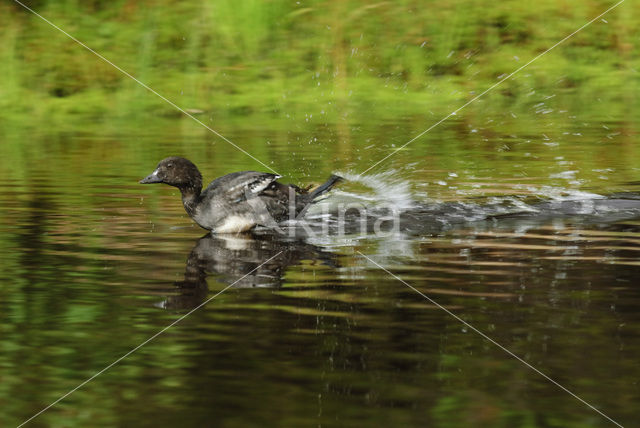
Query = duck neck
x=190 y=198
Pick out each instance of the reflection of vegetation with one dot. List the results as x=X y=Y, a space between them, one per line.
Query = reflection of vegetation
x=229 y=57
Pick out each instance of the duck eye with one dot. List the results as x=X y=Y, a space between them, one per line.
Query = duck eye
x=170 y=165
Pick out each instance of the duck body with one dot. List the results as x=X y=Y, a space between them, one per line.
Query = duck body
x=236 y=202
x=239 y=201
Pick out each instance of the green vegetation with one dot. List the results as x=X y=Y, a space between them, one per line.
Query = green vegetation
x=334 y=58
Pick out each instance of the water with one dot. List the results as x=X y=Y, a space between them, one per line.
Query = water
x=94 y=264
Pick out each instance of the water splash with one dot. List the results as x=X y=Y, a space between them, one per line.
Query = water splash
x=384 y=188
x=388 y=196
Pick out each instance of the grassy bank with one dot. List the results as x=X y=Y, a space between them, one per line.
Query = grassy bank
x=331 y=59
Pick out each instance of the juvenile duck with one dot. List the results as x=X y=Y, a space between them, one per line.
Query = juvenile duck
x=238 y=201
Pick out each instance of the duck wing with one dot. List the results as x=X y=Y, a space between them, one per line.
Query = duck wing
x=239 y=186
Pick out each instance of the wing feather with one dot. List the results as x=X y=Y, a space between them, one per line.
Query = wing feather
x=239 y=186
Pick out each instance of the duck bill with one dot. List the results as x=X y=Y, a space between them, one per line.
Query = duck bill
x=151 y=178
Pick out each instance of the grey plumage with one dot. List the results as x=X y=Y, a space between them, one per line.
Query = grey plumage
x=238 y=201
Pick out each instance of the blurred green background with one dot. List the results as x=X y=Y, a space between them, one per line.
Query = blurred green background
x=241 y=58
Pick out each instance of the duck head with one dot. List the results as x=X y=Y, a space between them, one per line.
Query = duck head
x=177 y=172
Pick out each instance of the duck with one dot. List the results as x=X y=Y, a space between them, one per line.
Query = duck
x=239 y=201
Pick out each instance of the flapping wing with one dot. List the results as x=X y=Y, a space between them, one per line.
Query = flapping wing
x=240 y=186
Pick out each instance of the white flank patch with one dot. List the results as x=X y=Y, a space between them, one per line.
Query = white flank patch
x=235 y=224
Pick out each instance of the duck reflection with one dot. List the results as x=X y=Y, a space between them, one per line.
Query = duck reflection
x=240 y=259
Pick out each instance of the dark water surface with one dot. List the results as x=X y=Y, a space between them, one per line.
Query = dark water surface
x=94 y=264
